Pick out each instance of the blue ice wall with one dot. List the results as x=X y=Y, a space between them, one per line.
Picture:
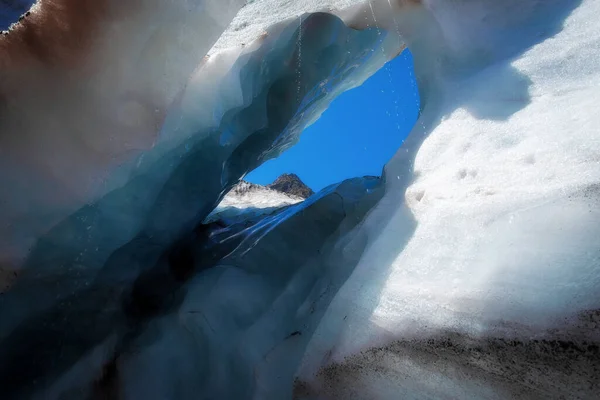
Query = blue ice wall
x=116 y=268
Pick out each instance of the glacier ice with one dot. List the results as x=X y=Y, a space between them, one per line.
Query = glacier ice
x=97 y=80
x=131 y=252
x=252 y=315
x=469 y=271
x=213 y=304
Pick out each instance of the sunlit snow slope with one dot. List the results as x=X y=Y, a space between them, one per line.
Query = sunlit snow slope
x=484 y=284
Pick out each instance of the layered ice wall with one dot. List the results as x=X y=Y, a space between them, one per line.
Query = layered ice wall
x=107 y=288
x=481 y=261
x=244 y=324
x=85 y=87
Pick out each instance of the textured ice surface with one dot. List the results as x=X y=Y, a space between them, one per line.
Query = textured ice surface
x=256 y=16
x=484 y=283
x=480 y=272
x=94 y=290
x=228 y=302
x=244 y=324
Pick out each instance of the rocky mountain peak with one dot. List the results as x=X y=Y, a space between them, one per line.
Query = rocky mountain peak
x=292 y=185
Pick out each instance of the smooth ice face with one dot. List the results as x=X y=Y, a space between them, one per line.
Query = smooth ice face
x=212 y=137
x=85 y=88
x=211 y=307
x=129 y=255
x=244 y=324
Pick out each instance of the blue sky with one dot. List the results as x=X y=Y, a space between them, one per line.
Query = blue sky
x=356 y=135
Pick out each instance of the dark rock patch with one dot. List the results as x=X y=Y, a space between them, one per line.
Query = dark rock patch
x=291 y=184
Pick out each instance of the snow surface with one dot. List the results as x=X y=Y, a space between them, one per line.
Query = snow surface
x=498 y=234
x=246 y=196
x=488 y=229
x=258 y=15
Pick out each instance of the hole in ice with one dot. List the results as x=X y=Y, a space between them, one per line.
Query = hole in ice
x=356 y=136
x=419 y=195
x=147 y=228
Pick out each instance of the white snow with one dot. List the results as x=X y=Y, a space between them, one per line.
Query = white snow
x=247 y=197
x=258 y=15
x=499 y=235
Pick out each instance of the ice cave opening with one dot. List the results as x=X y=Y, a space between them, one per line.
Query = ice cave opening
x=355 y=136
x=146 y=244
x=135 y=264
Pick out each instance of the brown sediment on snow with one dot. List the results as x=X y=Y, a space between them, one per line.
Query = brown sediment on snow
x=56 y=33
x=79 y=98
x=558 y=363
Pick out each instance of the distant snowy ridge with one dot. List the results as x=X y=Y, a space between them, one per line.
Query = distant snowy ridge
x=251 y=199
